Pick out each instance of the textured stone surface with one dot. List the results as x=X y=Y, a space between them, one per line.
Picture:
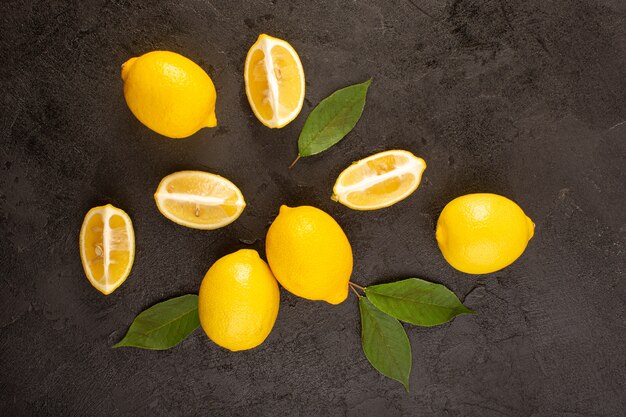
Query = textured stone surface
x=521 y=98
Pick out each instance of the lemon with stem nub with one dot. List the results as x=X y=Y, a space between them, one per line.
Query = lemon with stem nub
x=169 y=93
x=483 y=233
x=309 y=254
x=238 y=301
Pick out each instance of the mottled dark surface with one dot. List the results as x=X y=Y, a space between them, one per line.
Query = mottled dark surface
x=522 y=98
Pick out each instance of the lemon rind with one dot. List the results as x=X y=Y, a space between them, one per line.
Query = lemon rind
x=265 y=43
x=414 y=165
x=160 y=196
x=107 y=211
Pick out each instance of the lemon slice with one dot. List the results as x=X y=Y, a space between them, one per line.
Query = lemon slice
x=379 y=180
x=274 y=80
x=199 y=200
x=107 y=247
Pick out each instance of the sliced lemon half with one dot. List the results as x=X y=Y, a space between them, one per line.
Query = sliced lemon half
x=199 y=200
x=107 y=247
x=274 y=80
x=379 y=180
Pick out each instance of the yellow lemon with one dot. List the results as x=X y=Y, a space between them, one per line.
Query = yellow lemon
x=483 y=233
x=238 y=301
x=274 y=80
x=379 y=181
x=199 y=200
x=309 y=254
x=107 y=247
x=169 y=93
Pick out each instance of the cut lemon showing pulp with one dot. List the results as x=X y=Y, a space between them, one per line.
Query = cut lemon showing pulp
x=199 y=200
x=379 y=180
x=107 y=247
x=274 y=80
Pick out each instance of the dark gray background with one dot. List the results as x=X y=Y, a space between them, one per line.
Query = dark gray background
x=522 y=98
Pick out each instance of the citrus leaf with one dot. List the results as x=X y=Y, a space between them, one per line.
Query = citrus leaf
x=163 y=325
x=385 y=343
x=417 y=301
x=332 y=119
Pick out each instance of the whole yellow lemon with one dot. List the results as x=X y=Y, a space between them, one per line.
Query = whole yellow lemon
x=238 y=301
x=309 y=254
x=483 y=233
x=169 y=93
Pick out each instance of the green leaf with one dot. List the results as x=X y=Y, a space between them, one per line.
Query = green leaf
x=417 y=301
x=163 y=325
x=332 y=119
x=385 y=343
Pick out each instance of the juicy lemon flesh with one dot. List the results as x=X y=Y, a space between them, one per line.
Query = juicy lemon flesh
x=483 y=233
x=383 y=163
x=259 y=86
x=199 y=199
x=379 y=180
x=274 y=81
x=107 y=248
x=169 y=93
x=192 y=212
x=238 y=301
x=382 y=192
x=310 y=254
x=288 y=78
